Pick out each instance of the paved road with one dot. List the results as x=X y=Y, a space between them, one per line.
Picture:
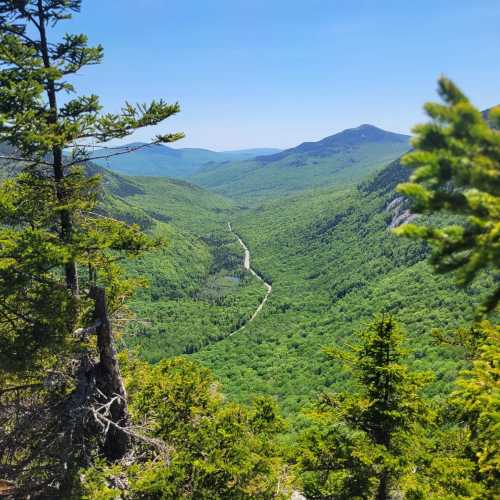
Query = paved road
x=248 y=267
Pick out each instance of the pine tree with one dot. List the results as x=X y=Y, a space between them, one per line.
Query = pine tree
x=477 y=404
x=367 y=442
x=457 y=174
x=59 y=279
x=456 y=165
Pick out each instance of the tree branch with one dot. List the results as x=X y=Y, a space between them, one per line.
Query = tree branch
x=15 y=158
x=127 y=151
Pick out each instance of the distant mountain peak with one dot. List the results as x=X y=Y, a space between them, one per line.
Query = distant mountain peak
x=348 y=138
x=376 y=132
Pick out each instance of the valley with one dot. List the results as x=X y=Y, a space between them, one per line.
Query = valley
x=330 y=259
x=159 y=160
x=188 y=312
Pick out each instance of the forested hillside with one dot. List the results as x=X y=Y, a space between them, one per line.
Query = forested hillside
x=334 y=262
x=343 y=158
x=195 y=289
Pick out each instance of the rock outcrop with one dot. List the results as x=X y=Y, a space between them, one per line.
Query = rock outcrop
x=400 y=212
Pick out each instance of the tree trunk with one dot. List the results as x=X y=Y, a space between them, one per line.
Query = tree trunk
x=57 y=156
x=109 y=380
x=383 y=487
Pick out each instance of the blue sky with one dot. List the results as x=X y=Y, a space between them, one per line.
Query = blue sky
x=257 y=73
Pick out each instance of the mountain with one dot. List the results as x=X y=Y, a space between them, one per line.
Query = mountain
x=160 y=160
x=197 y=291
x=332 y=262
x=354 y=137
x=343 y=158
x=328 y=253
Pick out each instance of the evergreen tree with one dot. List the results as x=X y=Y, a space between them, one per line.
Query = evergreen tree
x=367 y=443
x=477 y=405
x=457 y=172
x=47 y=211
x=456 y=165
x=59 y=278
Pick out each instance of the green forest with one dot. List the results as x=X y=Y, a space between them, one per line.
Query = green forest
x=318 y=322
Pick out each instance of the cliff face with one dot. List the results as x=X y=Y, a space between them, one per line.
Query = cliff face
x=401 y=214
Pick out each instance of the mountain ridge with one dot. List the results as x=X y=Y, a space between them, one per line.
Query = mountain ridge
x=160 y=160
x=351 y=136
x=342 y=158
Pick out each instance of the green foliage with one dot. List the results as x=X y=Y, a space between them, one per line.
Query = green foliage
x=212 y=449
x=48 y=211
x=59 y=253
x=477 y=401
x=38 y=313
x=333 y=263
x=457 y=167
x=372 y=436
x=185 y=205
x=198 y=291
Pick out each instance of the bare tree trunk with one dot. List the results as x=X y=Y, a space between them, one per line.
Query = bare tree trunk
x=109 y=380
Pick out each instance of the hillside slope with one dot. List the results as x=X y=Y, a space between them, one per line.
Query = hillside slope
x=160 y=160
x=343 y=158
x=332 y=262
x=197 y=292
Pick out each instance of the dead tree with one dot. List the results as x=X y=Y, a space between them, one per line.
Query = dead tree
x=109 y=382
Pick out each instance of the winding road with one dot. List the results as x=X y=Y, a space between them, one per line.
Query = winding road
x=248 y=267
x=246 y=264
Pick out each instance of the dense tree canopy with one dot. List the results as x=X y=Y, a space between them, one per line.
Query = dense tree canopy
x=210 y=448
x=367 y=441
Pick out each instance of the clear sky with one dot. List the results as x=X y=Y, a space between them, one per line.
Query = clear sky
x=274 y=73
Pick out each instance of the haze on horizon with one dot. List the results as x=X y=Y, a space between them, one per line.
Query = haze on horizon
x=275 y=74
